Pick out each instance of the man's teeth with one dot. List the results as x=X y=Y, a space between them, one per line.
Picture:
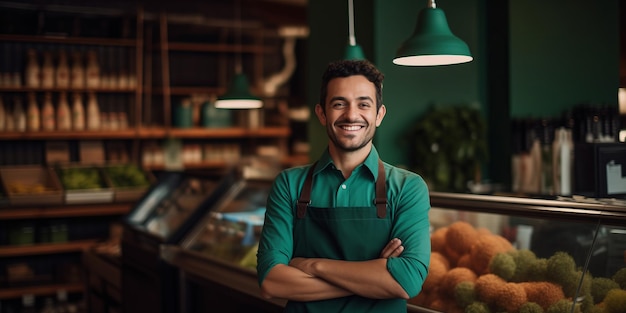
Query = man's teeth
x=351 y=127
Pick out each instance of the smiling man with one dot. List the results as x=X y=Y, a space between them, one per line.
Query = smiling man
x=348 y=233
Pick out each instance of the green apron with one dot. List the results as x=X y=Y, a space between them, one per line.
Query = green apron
x=343 y=233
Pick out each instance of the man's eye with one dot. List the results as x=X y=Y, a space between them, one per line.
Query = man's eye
x=338 y=104
x=365 y=104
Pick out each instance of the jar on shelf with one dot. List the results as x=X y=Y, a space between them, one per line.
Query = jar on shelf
x=62 y=73
x=183 y=114
x=33 y=75
x=64 y=120
x=19 y=115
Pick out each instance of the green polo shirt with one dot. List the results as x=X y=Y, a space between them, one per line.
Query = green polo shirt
x=408 y=202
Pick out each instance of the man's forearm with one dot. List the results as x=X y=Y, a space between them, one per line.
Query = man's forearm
x=290 y=283
x=369 y=279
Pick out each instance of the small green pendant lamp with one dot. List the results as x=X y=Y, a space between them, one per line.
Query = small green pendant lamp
x=353 y=50
x=432 y=42
x=238 y=94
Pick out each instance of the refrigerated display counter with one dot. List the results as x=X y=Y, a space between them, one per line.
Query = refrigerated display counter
x=587 y=235
x=165 y=215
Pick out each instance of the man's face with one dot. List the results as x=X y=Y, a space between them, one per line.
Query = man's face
x=350 y=117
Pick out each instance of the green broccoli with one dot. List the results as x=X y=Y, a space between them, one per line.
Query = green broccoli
x=560 y=266
x=464 y=294
x=537 y=270
x=600 y=286
x=563 y=306
x=530 y=307
x=615 y=301
x=477 y=307
x=620 y=278
x=523 y=263
x=503 y=265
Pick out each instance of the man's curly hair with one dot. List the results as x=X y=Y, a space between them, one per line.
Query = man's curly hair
x=345 y=68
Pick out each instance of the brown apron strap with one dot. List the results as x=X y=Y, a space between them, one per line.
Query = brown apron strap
x=305 y=193
x=381 y=192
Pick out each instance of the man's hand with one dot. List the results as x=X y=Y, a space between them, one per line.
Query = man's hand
x=393 y=249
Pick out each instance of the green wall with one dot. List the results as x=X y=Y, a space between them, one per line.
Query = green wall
x=563 y=53
x=531 y=57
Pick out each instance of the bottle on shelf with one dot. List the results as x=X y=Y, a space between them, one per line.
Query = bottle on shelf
x=92 y=76
x=78 y=112
x=33 y=117
x=28 y=303
x=77 y=75
x=93 y=112
x=47 y=71
x=33 y=78
x=64 y=120
x=19 y=115
x=62 y=74
x=62 y=304
x=47 y=113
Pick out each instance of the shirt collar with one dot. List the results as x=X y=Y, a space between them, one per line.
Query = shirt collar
x=371 y=162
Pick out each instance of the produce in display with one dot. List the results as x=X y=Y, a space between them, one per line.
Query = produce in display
x=127 y=175
x=22 y=188
x=80 y=178
x=474 y=271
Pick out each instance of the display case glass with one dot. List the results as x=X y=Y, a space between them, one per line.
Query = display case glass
x=510 y=254
x=175 y=202
x=230 y=232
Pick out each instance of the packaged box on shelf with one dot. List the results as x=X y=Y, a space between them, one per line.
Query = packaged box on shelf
x=129 y=182
x=28 y=185
x=84 y=184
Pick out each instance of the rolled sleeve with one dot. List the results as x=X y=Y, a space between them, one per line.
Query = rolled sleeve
x=276 y=244
x=411 y=225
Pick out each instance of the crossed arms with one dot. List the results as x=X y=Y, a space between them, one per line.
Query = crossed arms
x=310 y=279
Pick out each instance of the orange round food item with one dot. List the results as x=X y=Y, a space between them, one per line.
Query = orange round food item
x=511 y=296
x=453 y=277
x=465 y=261
x=487 y=286
x=460 y=237
x=438 y=240
x=440 y=257
x=543 y=293
x=436 y=271
x=485 y=248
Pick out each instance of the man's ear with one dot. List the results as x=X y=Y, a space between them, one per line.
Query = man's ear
x=321 y=116
x=380 y=115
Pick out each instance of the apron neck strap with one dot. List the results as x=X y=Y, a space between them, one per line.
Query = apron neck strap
x=381 y=192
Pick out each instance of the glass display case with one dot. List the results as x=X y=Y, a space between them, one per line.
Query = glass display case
x=531 y=247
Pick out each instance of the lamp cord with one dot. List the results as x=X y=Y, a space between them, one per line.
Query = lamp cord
x=238 y=66
x=352 y=38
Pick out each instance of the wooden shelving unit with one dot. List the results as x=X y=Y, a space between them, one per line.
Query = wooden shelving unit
x=47 y=248
x=16 y=292
x=84 y=210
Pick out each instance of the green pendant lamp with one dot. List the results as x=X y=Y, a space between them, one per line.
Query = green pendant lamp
x=353 y=50
x=238 y=95
x=432 y=42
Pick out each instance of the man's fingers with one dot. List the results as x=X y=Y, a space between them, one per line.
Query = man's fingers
x=392 y=249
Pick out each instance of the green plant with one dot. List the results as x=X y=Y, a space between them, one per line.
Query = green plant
x=449 y=145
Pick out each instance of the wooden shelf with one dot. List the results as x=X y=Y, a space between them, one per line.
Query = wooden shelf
x=17 y=292
x=68 y=90
x=70 y=40
x=151 y=133
x=13 y=213
x=217 y=47
x=234 y=132
x=189 y=90
x=129 y=133
x=46 y=248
